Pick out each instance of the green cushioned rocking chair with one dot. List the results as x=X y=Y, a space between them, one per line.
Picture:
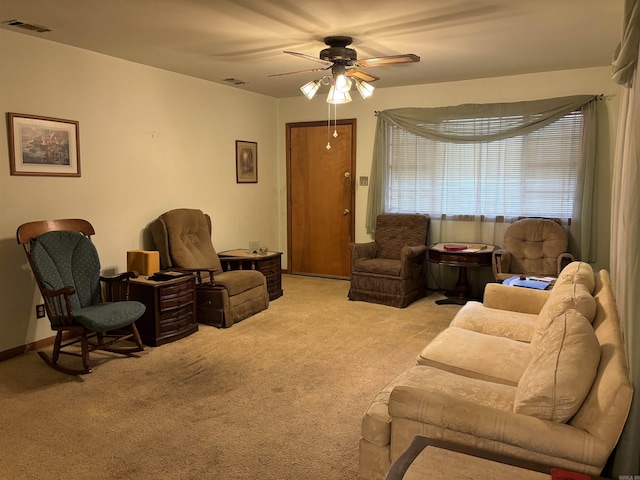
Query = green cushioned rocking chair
x=66 y=266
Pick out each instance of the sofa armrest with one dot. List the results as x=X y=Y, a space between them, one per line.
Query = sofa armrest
x=505 y=427
x=514 y=299
x=413 y=251
x=412 y=258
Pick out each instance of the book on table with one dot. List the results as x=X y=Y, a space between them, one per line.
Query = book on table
x=539 y=283
x=456 y=247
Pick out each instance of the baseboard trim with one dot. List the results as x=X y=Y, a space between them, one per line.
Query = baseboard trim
x=29 y=347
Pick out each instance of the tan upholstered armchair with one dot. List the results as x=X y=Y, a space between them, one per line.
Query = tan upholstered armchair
x=532 y=246
x=183 y=238
x=390 y=270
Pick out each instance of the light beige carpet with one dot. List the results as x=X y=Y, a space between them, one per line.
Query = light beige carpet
x=277 y=396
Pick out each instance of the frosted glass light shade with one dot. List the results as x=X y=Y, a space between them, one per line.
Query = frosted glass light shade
x=365 y=89
x=335 y=96
x=310 y=89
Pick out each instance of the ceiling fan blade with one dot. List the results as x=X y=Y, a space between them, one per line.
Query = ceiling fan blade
x=362 y=75
x=299 y=71
x=390 y=60
x=308 y=57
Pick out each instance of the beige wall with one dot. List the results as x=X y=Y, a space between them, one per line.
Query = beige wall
x=152 y=140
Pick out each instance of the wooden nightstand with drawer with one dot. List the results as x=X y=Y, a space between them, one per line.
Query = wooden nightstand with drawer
x=171 y=308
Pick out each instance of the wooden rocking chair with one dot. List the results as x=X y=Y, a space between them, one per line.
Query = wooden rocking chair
x=66 y=267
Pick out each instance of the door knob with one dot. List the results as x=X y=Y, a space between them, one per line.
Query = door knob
x=347 y=174
x=346 y=211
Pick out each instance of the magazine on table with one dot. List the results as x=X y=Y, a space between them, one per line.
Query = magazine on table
x=539 y=283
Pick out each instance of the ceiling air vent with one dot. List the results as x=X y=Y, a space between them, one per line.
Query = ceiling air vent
x=235 y=81
x=27 y=26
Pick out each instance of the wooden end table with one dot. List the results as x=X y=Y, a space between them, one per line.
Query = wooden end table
x=473 y=256
x=171 y=308
x=269 y=264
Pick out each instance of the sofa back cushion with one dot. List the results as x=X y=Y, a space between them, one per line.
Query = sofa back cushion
x=577 y=272
x=563 y=298
x=563 y=367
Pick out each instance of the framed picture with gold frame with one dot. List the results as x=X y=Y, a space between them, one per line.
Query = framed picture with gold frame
x=246 y=162
x=43 y=146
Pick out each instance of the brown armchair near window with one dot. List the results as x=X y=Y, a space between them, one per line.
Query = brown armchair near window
x=183 y=238
x=391 y=269
x=532 y=246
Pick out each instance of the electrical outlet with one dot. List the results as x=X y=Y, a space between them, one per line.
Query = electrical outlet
x=40 y=311
x=364 y=181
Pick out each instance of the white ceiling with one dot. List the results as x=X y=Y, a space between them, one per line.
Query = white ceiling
x=244 y=39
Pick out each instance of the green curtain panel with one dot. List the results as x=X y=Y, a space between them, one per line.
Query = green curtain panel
x=625 y=227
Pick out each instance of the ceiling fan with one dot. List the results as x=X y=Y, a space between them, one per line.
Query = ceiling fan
x=344 y=63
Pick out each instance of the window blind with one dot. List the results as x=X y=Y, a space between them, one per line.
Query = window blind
x=531 y=175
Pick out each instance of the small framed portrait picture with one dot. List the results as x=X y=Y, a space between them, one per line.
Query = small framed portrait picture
x=246 y=162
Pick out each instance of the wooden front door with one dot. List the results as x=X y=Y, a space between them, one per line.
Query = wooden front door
x=321 y=197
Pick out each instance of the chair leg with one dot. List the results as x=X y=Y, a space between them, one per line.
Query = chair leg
x=88 y=345
x=56 y=347
x=136 y=336
x=84 y=343
x=57 y=350
x=108 y=346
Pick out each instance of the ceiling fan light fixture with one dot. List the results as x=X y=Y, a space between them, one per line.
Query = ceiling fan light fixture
x=336 y=96
x=342 y=83
x=365 y=89
x=309 y=89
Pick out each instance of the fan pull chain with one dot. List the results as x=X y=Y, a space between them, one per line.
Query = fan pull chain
x=328 y=147
x=335 y=120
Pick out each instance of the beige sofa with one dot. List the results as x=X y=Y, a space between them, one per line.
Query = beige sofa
x=536 y=375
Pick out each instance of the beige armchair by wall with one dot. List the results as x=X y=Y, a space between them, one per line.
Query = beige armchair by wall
x=183 y=238
x=532 y=246
x=391 y=269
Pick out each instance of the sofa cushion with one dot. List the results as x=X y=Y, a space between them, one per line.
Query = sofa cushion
x=238 y=281
x=577 y=272
x=563 y=298
x=376 y=423
x=563 y=367
x=494 y=321
x=379 y=266
x=477 y=355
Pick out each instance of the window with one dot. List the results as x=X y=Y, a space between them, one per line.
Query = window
x=513 y=177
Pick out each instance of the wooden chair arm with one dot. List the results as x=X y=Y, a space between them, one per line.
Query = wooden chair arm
x=500 y=260
x=119 y=278
x=116 y=287
x=564 y=259
x=58 y=305
x=200 y=278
